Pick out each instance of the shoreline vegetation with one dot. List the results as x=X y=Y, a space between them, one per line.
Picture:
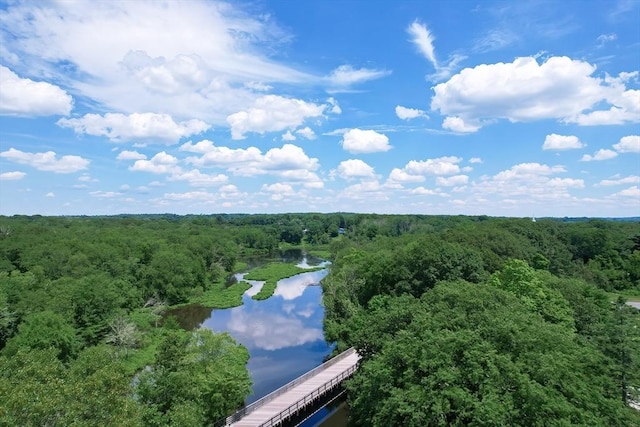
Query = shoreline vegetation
x=322 y=251
x=272 y=273
x=222 y=296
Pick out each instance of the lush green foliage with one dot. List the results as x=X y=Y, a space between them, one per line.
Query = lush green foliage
x=477 y=355
x=37 y=389
x=460 y=320
x=221 y=296
x=199 y=377
x=75 y=292
x=487 y=321
x=45 y=330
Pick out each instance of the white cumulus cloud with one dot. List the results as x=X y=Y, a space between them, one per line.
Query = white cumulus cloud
x=527 y=182
x=632 y=179
x=565 y=183
x=289 y=162
x=202 y=147
x=365 y=191
x=365 y=141
x=105 y=194
x=405 y=113
x=447 y=165
x=561 y=142
x=529 y=170
x=452 y=181
x=288 y=136
x=203 y=196
x=422 y=191
x=289 y=157
x=220 y=156
x=417 y=170
x=625 y=109
x=272 y=113
x=401 y=176
x=629 y=192
x=86 y=178
x=335 y=107
x=12 y=176
x=47 y=161
x=457 y=124
x=605 y=38
x=195 y=178
x=161 y=163
x=353 y=168
x=559 y=88
x=279 y=190
x=258 y=86
x=628 y=144
x=150 y=127
x=306 y=132
x=602 y=154
x=130 y=155
x=25 y=97
x=186 y=61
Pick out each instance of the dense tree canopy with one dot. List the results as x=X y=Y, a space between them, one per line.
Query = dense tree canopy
x=488 y=322
x=460 y=320
x=37 y=389
x=197 y=378
x=476 y=355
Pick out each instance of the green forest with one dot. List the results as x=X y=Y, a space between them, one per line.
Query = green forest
x=459 y=320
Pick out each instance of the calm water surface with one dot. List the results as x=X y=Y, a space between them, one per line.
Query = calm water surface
x=283 y=334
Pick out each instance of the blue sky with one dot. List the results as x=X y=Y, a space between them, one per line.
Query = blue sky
x=444 y=107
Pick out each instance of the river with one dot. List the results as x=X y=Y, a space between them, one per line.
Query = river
x=283 y=333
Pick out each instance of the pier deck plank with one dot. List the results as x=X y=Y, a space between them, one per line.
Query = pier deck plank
x=272 y=408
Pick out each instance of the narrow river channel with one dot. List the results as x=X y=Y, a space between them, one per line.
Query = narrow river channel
x=283 y=333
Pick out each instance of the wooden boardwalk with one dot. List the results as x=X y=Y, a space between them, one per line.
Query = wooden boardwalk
x=287 y=401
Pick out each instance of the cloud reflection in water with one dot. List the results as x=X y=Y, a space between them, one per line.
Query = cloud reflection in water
x=292 y=317
x=283 y=333
x=294 y=287
x=270 y=331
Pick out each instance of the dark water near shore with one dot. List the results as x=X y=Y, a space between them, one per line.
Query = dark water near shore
x=338 y=417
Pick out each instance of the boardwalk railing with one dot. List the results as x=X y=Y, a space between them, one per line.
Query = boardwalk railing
x=308 y=399
x=258 y=403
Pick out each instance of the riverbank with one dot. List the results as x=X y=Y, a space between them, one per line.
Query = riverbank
x=221 y=294
x=272 y=273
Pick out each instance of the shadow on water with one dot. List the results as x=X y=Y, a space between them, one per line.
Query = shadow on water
x=293 y=256
x=335 y=415
x=189 y=316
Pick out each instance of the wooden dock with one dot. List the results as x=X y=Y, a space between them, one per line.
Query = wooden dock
x=303 y=392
